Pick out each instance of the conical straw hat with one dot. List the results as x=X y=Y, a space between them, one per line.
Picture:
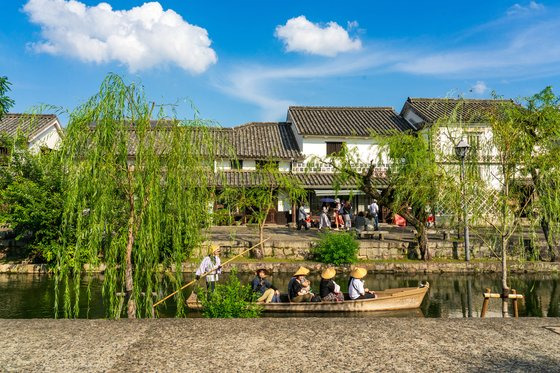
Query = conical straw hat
x=213 y=248
x=358 y=272
x=328 y=273
x=302 y=271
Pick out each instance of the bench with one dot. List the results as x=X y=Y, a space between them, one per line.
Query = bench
x=373 y=234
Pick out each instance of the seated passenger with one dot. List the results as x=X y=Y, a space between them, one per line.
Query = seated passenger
x=263 y=287
x=299 y=288
x=329 y=290
x=356 y=288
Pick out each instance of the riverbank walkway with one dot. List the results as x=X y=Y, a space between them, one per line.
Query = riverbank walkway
x=281 y=345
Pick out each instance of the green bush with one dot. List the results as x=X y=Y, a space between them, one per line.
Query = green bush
x=229 y=300
x=336 y=248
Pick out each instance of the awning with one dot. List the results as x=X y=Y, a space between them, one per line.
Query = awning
x=332 y=192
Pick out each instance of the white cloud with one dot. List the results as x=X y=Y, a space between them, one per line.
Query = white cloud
x=479 y=87
x=301 y=35
x=520 y=9
x=140 y=38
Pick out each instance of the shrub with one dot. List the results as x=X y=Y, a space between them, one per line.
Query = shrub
x=229 y=300
x=336 y=248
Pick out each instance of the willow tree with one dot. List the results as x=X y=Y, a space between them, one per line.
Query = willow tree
x=538 y=121
x=260 y=196
x=413 y=177
x=137 y=194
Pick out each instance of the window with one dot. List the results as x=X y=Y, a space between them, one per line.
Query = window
x=3 y=151
x=473 y=138
x=333 y=147
x=236 y=164
x=261 y=164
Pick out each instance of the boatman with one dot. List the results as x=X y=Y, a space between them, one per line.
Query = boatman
x=211 y=263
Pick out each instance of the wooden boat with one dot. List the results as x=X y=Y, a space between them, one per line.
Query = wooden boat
x=387 y=300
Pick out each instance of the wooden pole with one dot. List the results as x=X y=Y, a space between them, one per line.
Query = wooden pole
x=207 y=273
x=485 y=303
x=515 y=309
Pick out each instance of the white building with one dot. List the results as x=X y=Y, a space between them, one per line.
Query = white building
x=42 y=131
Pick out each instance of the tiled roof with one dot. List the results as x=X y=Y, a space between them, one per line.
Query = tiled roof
x=346 y=121
x=265 y=140
x=466 y=110
x=239 y=178
x=26 y=124
x=248 y=141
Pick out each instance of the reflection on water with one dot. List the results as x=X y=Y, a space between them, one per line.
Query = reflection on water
x=450 y=295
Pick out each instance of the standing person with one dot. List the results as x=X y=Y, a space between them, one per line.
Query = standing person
x=299 y=288
x=302 y=217
x=211 y=263
x=337 y=217
x=263 y=287
x=346 y=211
x=356 y=288
x=324 y=221
x=374 y=211
x=328 y=289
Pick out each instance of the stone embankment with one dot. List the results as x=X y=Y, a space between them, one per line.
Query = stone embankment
x=412 y=266
x=281 y=345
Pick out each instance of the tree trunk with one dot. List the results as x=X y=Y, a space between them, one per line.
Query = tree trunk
x=129 y=281
x=259 y=251
x=421 y=235
x=553 y=247
x=505 y=287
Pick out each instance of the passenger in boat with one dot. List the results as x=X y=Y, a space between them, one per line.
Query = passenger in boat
x=328 y=289
x=211 y=263
x=265 y=288
x=299 y=288
x=356 y=288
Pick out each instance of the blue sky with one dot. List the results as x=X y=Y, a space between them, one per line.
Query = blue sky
x=242 y=61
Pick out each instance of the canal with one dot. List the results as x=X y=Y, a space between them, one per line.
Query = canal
x=450 y=295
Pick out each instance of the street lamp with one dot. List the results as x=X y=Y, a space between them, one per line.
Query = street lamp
x=461 y=149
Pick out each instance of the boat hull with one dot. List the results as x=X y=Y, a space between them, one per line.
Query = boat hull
x=387 y=300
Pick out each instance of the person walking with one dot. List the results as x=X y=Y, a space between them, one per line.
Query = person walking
x=346 y=212
x=337 y=216
x=324 y=221
x=302 y=217
x=374 y=211
x=211 y=263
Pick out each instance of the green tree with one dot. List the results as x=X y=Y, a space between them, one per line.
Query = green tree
x=5 y=102
x=31 y=197
x=538 y=122
x=413 y=177
x=137 y=196
x=261 y=197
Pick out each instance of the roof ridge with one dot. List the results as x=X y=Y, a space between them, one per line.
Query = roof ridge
x=248 y=124
x=342 y=107
x=458 y=99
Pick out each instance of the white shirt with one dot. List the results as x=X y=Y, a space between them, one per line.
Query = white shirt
x=207 y=266
x=374 y=208
x=356 y=288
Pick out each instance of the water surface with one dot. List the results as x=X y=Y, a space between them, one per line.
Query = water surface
x=450 y=295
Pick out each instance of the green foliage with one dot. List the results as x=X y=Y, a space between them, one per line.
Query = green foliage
x=31 y=198
x=137 y=191
x=5 y=102
x=336 y=248
x=229 y=300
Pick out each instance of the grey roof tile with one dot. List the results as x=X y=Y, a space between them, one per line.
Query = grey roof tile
x=26 y=124
x=466 y=110
x=346 y=121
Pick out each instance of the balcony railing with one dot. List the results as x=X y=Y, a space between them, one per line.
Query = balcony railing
x=301 y=167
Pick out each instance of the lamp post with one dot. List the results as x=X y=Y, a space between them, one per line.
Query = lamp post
x=461 y=150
